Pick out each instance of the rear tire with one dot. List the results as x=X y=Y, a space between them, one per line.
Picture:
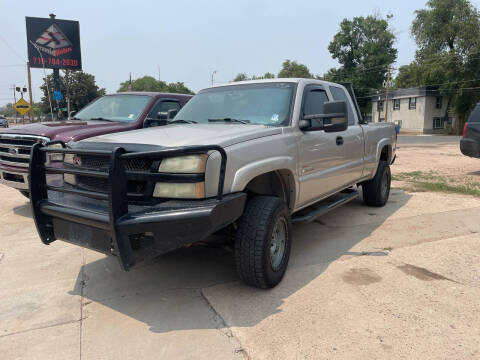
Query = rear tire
x=25 y=193
x=263 y=242
x=377 y=190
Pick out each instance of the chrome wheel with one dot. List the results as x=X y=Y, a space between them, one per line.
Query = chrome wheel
x=278 y=243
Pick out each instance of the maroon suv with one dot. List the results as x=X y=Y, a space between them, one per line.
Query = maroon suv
x=108 y=114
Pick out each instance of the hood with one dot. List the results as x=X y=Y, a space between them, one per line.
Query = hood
x=68 y=130
x=191 y=134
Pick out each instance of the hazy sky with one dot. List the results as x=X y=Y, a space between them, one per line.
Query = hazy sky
x=187 y=40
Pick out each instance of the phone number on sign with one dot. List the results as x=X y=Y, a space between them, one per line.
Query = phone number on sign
x=54 y=61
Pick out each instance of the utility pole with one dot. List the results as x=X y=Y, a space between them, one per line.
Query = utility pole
x=386 y=94
x=14 y=101
x=30 y=92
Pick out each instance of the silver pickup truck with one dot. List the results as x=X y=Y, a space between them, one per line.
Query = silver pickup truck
x=249 y=157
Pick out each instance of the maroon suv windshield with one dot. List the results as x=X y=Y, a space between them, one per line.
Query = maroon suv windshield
x=121 y=108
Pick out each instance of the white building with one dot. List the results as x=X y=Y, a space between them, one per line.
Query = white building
x=419 y=110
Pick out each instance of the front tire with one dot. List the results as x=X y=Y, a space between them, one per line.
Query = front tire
x=377 y=190
x=263 y=242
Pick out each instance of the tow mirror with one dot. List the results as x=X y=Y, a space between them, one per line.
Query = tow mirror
x=333 y=119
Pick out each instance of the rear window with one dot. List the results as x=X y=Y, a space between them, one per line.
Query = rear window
x=475 y=115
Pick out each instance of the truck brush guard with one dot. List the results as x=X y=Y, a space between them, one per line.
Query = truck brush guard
x=108 y=221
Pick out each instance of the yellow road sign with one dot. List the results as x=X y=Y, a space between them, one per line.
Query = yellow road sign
x=22 y=106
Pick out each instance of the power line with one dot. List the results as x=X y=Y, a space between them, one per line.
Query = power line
x=13 y=65
x=11 y=48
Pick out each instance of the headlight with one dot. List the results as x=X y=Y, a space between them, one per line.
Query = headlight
x=51 y=157
x=69 y=178
x=68 y=159
x=190 y=164
x=180 y=191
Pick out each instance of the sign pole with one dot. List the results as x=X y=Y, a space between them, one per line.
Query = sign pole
x=15 y=99
x=23 y=115
x=30 y=92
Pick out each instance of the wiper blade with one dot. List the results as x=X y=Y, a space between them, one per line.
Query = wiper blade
x=102 y=119
x=230 y=120
x=182 y=121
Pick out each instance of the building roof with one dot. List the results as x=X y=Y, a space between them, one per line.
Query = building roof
x=408 y=92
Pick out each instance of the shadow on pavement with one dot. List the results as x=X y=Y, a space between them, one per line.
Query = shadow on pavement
x=162 y=292
x=23 y=210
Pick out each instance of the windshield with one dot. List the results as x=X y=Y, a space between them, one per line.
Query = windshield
x=122 y=108
x=261 y=103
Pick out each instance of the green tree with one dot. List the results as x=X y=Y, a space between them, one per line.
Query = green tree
x=364 y=47
x=241 y=77
x=149 y=83
x=292 y=69
x=447 y=34
x=79 y=86
x=244 y=76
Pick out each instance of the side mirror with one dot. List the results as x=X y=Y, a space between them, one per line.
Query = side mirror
x=171 y=113
x=162 y=115
x=333 y=119
x=149 y=122
x=72 y=114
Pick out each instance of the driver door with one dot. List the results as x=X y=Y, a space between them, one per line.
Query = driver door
x=320 y=156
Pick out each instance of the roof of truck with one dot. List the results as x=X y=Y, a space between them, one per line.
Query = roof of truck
x=150 y=93
x=293 y=80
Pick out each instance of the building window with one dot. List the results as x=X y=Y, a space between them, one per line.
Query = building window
x=438 y=123
x=412 y=103
x=380 y=105
x=396 y=104
x=438 y=104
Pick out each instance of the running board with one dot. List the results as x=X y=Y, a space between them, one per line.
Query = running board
x=346 y=197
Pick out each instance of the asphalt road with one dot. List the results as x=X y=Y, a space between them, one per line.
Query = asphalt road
x=428 y=139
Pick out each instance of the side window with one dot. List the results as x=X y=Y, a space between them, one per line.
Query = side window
x=339 y=94
x=163 y=106
x=314 y=100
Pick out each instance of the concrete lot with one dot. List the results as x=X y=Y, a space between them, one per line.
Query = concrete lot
x=400 y=282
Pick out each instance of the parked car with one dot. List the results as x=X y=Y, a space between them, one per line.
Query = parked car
x=3 y=122
x=251 y=157
x=470 y=143
x=108 y=114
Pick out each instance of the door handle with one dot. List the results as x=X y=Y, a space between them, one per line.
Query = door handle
x=339 y=140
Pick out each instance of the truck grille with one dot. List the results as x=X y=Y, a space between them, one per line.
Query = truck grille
x=102 y=163
x=15 y=149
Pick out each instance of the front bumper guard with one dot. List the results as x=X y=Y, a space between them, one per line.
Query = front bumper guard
x=132 y=232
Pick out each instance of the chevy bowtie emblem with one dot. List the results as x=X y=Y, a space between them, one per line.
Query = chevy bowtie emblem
x=77 y=160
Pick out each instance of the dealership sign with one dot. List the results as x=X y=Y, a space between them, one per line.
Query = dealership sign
x=53 y=43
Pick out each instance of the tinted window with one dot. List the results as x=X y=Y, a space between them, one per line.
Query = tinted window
x=163 y=106
x=475 y=115
x=314 y=101
x=339 y=94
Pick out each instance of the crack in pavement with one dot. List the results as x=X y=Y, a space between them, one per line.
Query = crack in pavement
x=41 y=327
x=224 y=328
